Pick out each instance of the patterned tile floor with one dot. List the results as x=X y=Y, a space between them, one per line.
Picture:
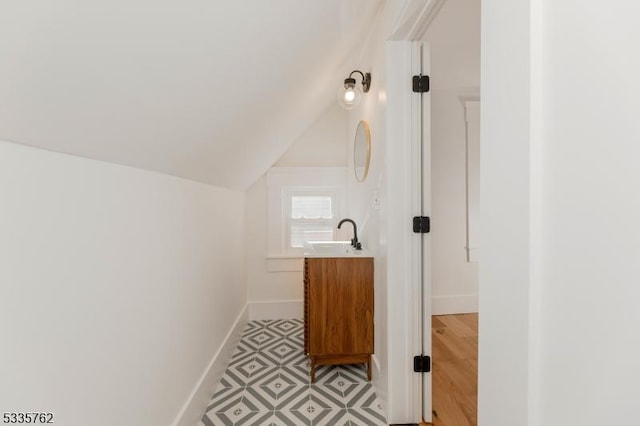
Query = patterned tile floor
x=267 y=383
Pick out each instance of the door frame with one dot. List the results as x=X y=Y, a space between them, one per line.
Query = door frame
x=405 y=396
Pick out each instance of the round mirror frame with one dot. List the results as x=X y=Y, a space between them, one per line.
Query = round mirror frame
x=363 y=131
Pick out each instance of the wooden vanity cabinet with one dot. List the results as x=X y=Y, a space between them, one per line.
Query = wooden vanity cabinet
x=338 y=311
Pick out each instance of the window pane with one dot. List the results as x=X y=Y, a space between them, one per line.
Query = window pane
x=301 y=232
x=311 y=206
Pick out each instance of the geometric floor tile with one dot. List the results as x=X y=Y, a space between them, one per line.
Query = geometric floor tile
x=327 y=374
x=225 y=397
x=340 y=387
x=263 y=376
x=298 y=358
x=236 y=376
x=336 y=381
x=290 y=395
x=263 y=339
x=355 y=373
x=295 y=400
x=240 y=412
x=245 y=345
x=276 y=386
x=241 y=357
x=258 y=400
x=267 y=382
x=277 y=418
x=211 y=419
x=283 y=350
x=284 y=327
x=327 y=397
x=366 y=417
x=339 y=417
x=296 y=373
x=297 y=339
x=267 y=358
x=361 y=396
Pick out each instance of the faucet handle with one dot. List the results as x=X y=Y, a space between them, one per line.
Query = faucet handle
x=358 y=246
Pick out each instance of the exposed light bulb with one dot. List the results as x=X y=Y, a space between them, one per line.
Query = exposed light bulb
x=349 y=95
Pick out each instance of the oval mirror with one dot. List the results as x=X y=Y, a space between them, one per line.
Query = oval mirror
x=362 y=151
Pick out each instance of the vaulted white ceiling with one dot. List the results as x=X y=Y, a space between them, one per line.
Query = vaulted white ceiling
x=209 y=90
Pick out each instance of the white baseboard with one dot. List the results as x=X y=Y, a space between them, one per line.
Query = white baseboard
x=279 y=309
x=381 y=387
x=454 y=304
x=194 y=408
x=376 y=367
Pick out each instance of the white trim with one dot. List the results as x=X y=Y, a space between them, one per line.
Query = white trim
x=472 y=162
x=468 y=94
x=194 y=408
x=376 y=365
x=404 y=387
x=415 y=19
x=279 y=309
x=454 y=304
x=403 y=330
x=421 y=173
x=376 y=376
x=473 y=254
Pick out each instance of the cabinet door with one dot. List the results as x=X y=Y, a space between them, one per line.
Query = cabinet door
x=340 y=306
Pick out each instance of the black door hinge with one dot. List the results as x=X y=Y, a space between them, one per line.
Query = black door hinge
x=421 y=224
x=422 y=364
x=420 y=83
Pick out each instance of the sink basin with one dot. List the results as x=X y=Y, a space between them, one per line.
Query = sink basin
x=328 y=248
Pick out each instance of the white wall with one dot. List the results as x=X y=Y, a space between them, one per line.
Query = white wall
x=505 y=179
x=265 y=286
x=558 y=277
x=322 y=145
x=118 y=287
x=589 y=316
x=361 y=208
x=454 y=39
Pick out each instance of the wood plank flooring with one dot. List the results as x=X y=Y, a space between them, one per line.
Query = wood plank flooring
x=455 y=369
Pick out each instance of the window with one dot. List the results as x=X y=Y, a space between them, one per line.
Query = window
x=304 y=204
x=310 y=217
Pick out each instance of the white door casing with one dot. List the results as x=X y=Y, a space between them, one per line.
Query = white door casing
x=421 y=256
x=409 y=292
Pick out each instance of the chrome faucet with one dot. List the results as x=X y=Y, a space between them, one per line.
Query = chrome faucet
x=354 y=241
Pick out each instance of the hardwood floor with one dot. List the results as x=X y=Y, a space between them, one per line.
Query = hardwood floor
x=455 y=369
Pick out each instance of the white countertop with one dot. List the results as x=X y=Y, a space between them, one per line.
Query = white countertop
x=333 y=249
x=351 y=253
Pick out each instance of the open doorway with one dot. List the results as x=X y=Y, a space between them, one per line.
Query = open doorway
x=455 y=369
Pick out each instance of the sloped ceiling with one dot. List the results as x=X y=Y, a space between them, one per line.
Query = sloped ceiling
x=213 y=91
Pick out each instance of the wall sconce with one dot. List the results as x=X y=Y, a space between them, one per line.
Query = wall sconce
x=350 y=94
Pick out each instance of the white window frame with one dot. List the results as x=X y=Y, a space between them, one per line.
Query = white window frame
x=290 y=192
x=282 y=182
